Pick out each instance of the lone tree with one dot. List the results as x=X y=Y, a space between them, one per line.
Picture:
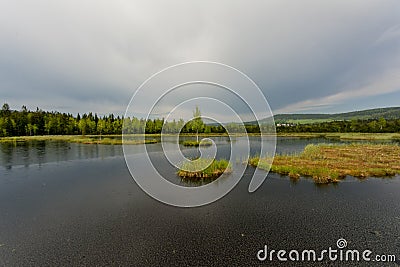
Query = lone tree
x=197 y=122
x=5 y=110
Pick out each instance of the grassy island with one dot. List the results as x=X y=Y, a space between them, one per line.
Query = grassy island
x=216 y=168
x=327 y=163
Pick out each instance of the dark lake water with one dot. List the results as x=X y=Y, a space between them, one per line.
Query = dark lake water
x=76 y=204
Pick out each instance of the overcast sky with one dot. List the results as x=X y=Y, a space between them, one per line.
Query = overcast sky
x=306 y=56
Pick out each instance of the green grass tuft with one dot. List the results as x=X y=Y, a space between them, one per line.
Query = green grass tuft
x=189 y=170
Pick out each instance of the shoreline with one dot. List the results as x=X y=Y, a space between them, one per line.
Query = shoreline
x=87 y=139
x=99 y=139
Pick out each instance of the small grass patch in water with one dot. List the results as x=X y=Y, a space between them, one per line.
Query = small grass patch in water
x=327 y=163
x=190 y=170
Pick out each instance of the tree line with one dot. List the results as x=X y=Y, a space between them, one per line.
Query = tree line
x=380 y=125
x=25 y=122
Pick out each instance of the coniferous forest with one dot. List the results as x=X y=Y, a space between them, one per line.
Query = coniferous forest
x=25 y=122
x=380 y=125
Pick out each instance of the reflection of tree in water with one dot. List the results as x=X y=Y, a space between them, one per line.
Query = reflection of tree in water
x=40 y=148
x=7 y=154
x=24 y=150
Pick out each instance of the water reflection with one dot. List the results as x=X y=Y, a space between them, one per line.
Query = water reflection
x=40 y=152
x=7 y=155
x=91 y=208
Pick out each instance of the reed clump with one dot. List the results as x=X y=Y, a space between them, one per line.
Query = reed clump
x=192 y=170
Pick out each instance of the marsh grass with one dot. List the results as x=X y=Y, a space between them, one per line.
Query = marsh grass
x=345 y=136
x=327 y=163
x=364 y=136
x=302 y=135
x=93 y=139
x=189 y=170
x=112 y=141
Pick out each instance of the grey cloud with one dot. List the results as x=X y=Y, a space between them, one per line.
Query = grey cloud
x=94 y=54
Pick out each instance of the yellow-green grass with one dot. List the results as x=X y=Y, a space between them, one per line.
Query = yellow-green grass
x=302 y=135
x=89 y=139
x=327 y=163
x=196 y=143
x=345 y=136
x=190 y=170
x=112 y=141
x=308 y=121
x=364 y=136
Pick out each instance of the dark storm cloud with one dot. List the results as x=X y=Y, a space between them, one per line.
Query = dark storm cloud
x=305 y=55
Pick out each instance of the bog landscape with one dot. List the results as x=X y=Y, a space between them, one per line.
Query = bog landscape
x=64 y=179
x=378 y=154
x=199 y=133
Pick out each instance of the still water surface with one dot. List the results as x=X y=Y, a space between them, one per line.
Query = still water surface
x=76 y=204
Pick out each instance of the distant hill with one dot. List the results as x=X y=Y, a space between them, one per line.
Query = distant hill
x=386 y=113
